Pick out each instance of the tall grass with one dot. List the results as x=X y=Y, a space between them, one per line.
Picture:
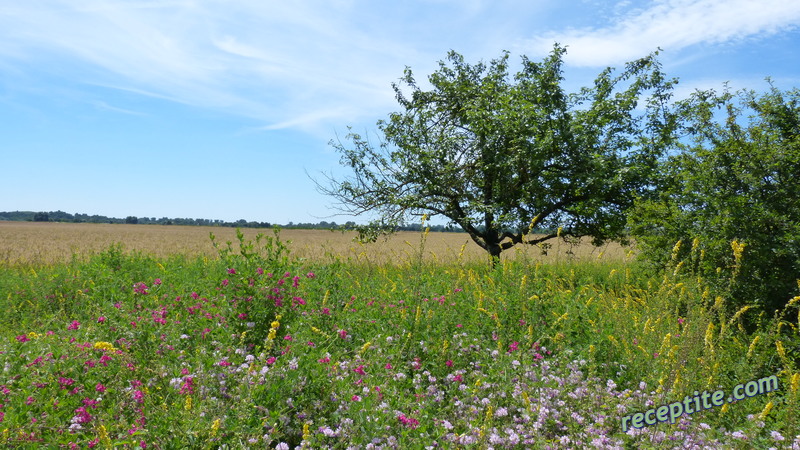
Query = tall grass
x=255 y=348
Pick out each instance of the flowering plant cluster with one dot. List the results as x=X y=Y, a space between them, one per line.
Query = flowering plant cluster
x=233 y=352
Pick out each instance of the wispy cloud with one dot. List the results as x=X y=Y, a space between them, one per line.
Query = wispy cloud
x=106 y=107
x=278 y=62
x=672 y=25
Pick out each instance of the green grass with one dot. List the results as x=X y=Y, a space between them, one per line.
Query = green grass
x=255 y=348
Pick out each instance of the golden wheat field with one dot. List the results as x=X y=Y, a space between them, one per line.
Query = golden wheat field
x=23 y=243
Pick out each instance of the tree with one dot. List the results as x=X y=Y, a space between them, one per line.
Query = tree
x=500 y=156
x=133 y=220
x=41 y=217
x=731 y=196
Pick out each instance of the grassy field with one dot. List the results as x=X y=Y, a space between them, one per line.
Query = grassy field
x=47 y=243
x=313 y=345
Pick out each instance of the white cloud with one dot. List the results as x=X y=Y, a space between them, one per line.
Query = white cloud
x=284 y=63
x=672 y=25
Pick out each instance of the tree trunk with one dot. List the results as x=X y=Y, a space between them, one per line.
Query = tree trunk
x=494 y=250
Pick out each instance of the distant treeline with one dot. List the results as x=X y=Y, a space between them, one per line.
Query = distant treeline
x=61 y=216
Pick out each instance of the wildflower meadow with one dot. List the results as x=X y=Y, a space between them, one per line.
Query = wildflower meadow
x=255 y=348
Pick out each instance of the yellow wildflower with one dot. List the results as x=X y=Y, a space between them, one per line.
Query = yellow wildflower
x=365 y=347
x=766 y=411
x=103 y=436
x=215 y=427
x=102 y=345
x=753 y=346
x=709 y=338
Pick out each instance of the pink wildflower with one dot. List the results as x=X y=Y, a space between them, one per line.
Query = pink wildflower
x=409 y=422
x=74 y=325
x=140 y=288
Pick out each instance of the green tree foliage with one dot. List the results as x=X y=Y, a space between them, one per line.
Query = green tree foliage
x=500 y=155
x=735 y=189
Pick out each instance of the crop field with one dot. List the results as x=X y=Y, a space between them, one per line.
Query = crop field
x=47 y=243
x=167 y=342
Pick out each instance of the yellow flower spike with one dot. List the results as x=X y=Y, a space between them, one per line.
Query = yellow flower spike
x=753 y=346
x=709 y=338
x=739 y=313
x=724 y=408
x=306 y=431
x=102 y=435
x=526 y=399
x=665 y=342
x=675 y=250
x=364 y=347
x=489 y=412
x=677 y=381
x=795 y=383
x=101 y=345
x=767 y=409
x=781 y=350
x=215 y=427
x=677 y=269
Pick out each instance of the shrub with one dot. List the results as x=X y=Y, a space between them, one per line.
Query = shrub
x=731 y=196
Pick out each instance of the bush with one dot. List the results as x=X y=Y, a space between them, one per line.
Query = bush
x=732 y=193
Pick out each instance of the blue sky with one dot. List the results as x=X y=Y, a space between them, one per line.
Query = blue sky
x=218 y=109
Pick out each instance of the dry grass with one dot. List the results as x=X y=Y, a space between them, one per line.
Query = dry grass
x=38 y=243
